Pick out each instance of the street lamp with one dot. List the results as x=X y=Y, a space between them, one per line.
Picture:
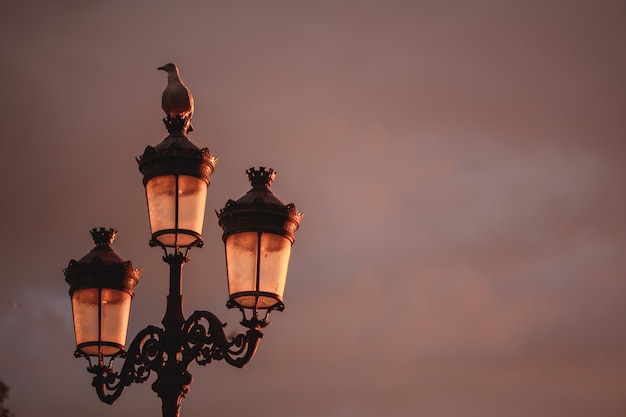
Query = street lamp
x=101 y=288
x=258 y=235
x=176 y=176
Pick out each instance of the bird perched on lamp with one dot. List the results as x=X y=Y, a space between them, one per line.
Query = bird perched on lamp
x=177 y=101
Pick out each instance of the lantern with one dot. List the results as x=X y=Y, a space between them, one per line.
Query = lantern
x=258 y=235
x=176 y=177
x=101 y=288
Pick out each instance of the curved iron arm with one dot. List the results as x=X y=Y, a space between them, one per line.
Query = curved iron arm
x=202 y=339
x=207 y=343
x=144 y=354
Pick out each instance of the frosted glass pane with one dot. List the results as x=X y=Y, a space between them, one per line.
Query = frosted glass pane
x=275 y=253
x=115 y=313
x=161 y=195
x=241 y=261
x=85 y=310
x=242 y=250
x=160 y=192
x=192 y=199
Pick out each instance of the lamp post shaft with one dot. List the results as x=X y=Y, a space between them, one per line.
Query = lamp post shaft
x=173 y=381
x=174 y=317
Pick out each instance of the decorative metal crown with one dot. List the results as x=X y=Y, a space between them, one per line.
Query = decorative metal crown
x=103 y=237
x=178 y=124
x=260 y=179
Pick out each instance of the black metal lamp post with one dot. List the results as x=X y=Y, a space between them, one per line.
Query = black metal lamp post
x=258 y=234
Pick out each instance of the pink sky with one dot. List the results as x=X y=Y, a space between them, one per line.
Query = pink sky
x=460 y=165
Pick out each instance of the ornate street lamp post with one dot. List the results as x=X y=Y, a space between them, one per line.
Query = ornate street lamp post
x=258 y=235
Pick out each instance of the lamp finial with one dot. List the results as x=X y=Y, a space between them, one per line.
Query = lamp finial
x=103 y=237
x=260 y=179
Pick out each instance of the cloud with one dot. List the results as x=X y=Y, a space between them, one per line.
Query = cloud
x=460 y=168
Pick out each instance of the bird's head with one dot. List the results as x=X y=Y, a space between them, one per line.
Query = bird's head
x=169 y=68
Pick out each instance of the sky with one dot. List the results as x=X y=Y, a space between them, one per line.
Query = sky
x=460 y=166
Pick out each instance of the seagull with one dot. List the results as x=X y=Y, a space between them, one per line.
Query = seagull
x=177 y=100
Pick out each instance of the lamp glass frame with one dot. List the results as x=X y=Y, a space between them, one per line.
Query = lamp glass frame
x=101 y=317
x=176 y=207
x=257 y=263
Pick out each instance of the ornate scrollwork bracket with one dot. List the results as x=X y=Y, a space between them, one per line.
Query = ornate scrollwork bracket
x=201 y=339
x=205 y=341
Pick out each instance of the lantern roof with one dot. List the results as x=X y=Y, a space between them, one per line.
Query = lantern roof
x=176 y=155
x=102 y=267
x=261 y=180
x=104 y=252
x=259 y=210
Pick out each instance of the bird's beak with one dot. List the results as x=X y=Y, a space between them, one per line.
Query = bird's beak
x=161 y=68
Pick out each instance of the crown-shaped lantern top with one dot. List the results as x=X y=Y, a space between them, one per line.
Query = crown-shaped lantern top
x=102 y=266
x=260 y=179
x=103 y=237
x=259 y=210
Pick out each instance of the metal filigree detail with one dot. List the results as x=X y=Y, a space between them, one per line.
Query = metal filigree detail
x=144 y=355
x=178 y=124
x=103 y=237
x=261 y=179
x=206 y=341
x=203 y=341
x=176 y=155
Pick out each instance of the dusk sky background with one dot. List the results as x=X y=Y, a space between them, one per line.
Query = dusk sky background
x=461 y=167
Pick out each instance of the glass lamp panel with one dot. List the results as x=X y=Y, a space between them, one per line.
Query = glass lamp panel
x=115 y=315
x=161 y=196
x=275 y=253
x=161 y=193
x=85 y=310
x=113 y=323
x=191 y=203
x=241 y=264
